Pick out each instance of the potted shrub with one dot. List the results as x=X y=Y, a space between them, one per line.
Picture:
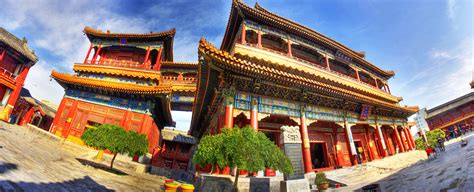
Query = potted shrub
x=321 y=181
x=187 y=187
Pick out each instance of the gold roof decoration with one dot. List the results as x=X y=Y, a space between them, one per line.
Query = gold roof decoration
x=119 y=71
x=268 y=69
x=110 y=85
x=99 y=33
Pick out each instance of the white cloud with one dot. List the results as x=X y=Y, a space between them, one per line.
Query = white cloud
x=450 y=8
x=440 y=54
x=41 y=86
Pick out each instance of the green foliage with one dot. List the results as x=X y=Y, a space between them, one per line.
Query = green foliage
x=320 y=178
x=242 y=148
x=137 y=144
x=432 y=137
x=115 y=139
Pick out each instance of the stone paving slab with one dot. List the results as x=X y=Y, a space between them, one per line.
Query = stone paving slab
x=32 y=162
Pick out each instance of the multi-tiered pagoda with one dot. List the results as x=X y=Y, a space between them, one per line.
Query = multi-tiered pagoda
x=270 y=72
x=16 y=59
x=120 y=82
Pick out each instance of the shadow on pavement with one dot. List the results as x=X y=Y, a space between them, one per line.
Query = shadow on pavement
x=82 y=184
x=6 y=167
x=100 y=166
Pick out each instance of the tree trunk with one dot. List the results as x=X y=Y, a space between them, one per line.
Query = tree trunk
x=236 y=180
x=112 y=162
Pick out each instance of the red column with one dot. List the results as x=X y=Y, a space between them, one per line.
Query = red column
x=357 y=73
x=254 y=114
x=58 y=115
x=327 y=63
x=371 y=153
x=350 y=143
x=20 y=79
x=376 y=83
x=229 y=112
x=2 y=55
x=289 y=49
x=146 y=56
x=242 y=32
x=88 y=53
x=308 y=165
x=399 y=140
x=157 y=66
x=382 y=141
x=407 y=138
x=96 y=54
x=388 y=88
x=259 y=39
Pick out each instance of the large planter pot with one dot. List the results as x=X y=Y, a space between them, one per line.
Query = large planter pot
x=216 y=170
x=254 y=174
x=243 y=172
x=171 y=187
x=187 y=188
x=270 y=172
x=225 y=170
x=323 y=186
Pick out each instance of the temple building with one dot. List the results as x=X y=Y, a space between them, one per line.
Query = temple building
x=16 y=59
x=125 y=79
x=271 y=72
x=453 y=115
x=31 y=111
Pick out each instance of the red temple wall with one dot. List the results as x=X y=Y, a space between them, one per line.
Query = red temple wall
x=9 y=63
x=73 y=116
x=450 y=116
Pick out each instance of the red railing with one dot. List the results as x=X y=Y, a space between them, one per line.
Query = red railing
x=121 y=63
x=311 y=63
x=7 y=74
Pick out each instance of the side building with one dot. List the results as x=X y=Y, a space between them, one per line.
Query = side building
x=453 y=115
x=16 y=59
x=270 y=72
x=122 y=83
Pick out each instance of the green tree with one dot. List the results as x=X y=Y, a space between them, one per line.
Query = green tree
x=115 y=139
x=432 y=137
x=242 y=149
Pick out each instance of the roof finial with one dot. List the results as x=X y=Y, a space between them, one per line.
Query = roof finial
x=24 y=40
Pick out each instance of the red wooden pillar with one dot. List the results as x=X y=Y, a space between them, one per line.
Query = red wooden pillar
x=336 y=143
x=58 y=115
x=146 y=56
x=88 y=53
x=259 y=39
x=308 y=165
x=229 y=112
x=367 y=135
x=290 y=54
x=376 y=83
x=350 y=143
x=242 y=33
x=357 y=73
x=399 y=140
x=5 y=115
x=382 y=141
x=157 y=66
x=388 y=88
x=411 y=139
x=96 y=54
x=410 y=146
x=326 y=59
x=2 y=55
x=254 y=114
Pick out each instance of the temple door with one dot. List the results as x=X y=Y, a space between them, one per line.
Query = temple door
x=78 y=123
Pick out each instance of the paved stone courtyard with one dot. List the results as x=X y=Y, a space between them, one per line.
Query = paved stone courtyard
x=452 y=170
x=31 y=162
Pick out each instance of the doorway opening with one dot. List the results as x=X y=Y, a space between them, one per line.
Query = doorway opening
x=319 y=155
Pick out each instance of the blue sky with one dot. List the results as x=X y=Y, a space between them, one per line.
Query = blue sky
x=429 y=44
